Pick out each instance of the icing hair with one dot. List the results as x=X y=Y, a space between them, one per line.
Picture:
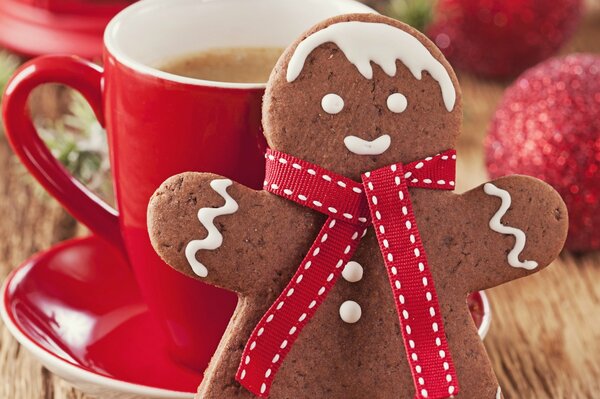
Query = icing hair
x=383 y=44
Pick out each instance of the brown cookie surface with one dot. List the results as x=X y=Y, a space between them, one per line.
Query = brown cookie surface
x=329 y=113
x=293 y=112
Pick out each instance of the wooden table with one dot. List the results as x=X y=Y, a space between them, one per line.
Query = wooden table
x=545 y=336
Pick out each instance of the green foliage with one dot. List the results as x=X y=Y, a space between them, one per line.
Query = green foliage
x=78 y=141
x=8 y=64
x=417 y=13
x=76 y=138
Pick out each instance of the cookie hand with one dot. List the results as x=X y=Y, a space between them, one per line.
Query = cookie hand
x=201 y=224
x=521 y=224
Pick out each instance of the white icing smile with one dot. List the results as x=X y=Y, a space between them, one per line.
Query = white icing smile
x=359 y=146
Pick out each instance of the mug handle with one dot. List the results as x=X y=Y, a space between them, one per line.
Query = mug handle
x=77 y=199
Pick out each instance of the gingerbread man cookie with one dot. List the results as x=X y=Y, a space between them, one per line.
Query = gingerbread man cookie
x=354 y=263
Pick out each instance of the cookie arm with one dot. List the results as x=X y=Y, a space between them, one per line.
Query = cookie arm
x=209 y=228
x=512 y=227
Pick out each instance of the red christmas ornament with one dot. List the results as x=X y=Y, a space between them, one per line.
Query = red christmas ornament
x=502 y=38
x=548 y=126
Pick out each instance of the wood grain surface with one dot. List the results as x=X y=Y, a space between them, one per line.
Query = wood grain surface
x=545 y=336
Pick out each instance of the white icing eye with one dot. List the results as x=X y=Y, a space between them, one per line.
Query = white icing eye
x=397 y=103
x=332 y=103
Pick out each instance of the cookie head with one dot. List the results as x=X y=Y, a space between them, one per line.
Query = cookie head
x=359 y=92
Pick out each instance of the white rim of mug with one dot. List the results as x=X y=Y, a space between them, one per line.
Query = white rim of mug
x=113 y=48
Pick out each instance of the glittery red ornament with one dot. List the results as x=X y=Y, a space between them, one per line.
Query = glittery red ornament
x=501 y=38
x=548 y=126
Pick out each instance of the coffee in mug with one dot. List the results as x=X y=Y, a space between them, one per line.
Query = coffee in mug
x=226 y=64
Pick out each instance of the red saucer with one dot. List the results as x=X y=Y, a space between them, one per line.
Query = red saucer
x=79 y=304
x=77 y=309
x=76 y=27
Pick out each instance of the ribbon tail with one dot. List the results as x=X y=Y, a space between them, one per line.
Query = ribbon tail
x=281 y=325
x=421 y=322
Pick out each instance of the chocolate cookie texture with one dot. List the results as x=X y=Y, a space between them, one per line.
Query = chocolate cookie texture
x=361 y=114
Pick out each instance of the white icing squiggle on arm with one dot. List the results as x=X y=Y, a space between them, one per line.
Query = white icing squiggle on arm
x=497 y=226
x=214 y=239
x=499 y=393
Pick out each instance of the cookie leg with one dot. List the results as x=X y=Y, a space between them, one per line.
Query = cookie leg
x=475 y=374
x=219 y=378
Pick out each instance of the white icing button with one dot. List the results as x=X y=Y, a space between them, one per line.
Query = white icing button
x=397 y=103
x=353 y=272
x=332 y=103
x=350 y=312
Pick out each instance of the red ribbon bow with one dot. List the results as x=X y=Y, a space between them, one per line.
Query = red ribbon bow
x=384 y=201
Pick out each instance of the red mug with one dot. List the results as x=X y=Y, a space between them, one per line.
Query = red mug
x=160 y=124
